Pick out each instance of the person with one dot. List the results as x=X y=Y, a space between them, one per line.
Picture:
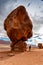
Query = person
x=30 y=48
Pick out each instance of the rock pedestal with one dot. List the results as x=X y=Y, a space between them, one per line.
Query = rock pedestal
x=18 y=27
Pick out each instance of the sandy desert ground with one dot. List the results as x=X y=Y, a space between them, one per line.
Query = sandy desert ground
x=34 y=57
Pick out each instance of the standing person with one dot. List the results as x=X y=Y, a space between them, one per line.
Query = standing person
x=30 y=48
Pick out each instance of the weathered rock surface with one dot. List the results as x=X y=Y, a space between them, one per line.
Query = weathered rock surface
x=20 y=46
x=18 y=26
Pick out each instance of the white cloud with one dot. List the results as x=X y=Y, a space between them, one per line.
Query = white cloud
x=32 y=11
x=40 y=31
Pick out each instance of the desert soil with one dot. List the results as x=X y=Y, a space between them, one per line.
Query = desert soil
x=34 y=57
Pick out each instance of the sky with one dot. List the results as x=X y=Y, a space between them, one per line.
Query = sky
x=33 y=7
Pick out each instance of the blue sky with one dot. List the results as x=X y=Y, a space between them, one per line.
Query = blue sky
x=33 y=7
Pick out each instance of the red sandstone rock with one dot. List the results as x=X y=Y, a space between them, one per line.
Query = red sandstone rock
x=18 y=25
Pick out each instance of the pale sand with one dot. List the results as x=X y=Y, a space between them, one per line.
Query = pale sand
x=35 y=57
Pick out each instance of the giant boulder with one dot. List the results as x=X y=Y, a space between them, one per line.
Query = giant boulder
x=18 y=26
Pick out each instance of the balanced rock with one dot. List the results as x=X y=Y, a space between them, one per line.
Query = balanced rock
x=18 y=26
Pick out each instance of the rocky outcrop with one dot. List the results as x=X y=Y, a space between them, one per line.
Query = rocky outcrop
x=40 y=46
x=18 y=26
